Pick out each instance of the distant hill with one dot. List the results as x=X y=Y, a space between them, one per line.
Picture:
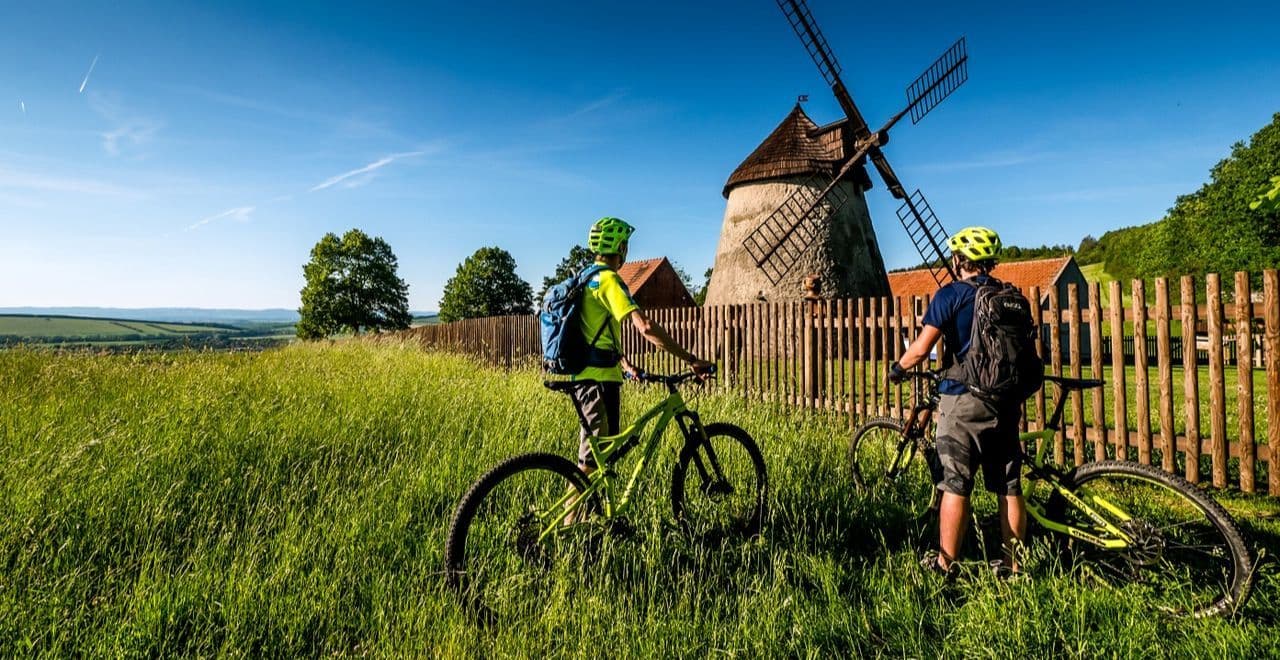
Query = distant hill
x=165 y=314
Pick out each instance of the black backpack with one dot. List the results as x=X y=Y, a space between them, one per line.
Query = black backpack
x=1002 y=365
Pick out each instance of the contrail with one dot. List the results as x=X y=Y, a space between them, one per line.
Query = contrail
x=90 y=73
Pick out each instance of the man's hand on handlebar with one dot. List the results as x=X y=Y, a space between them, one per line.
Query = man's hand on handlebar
x=897 y=374
x=703 y=368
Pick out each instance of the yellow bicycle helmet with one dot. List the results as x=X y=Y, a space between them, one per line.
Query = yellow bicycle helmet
x=607 y=235
x=975 y=243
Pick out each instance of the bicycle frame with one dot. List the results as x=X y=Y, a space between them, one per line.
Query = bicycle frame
x=607 y=450
x=1037 y=470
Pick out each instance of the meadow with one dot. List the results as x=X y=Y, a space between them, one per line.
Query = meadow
x=110 y=333
x=293 y=502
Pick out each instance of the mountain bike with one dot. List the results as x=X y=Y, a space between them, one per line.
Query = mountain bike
x=515 y=520
x=1129 y=525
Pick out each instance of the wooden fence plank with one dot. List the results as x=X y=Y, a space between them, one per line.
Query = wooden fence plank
x=1271 y=353
x=1244 y=381
x=1117 y=372
x=1077 y=396
x=864 y=359
x=1217 y=382
x=1190 y=379
x=1095 y=366
x=1034 y=297
x=1055 y=353
x=1141 y=391
x=1164 y=359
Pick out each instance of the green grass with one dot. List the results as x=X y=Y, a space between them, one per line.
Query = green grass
x=293 y=503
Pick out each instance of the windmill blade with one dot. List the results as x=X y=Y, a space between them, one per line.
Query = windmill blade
x=890 y=177
x=801 y=20
x=944 y=76
x=928 y=235
x=779 y=242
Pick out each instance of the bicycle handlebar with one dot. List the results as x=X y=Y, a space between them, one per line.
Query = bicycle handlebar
x=676 y=379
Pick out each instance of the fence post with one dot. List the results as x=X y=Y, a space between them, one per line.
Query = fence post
x=1037 y=313
x=1141 y=389
x=1117 y=372
x=1164 y=359
x=1271 y=350
x=1244 y=381
x=1077 y=396
x=1191 y=378
x=1055 y=351
x=1217 y=385
x=1095 y=367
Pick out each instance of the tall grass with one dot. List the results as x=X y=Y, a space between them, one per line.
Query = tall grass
x=294 y=502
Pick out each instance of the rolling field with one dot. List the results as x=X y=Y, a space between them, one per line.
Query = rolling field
x=40 y=327
x=293 y=502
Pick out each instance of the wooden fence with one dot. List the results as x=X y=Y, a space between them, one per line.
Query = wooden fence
x=831 y=355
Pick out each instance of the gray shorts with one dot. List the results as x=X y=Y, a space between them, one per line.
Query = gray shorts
x=599 y=405
x=972 y=432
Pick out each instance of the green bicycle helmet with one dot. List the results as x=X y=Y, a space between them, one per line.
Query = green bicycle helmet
x=975 y=243
x=607 y=235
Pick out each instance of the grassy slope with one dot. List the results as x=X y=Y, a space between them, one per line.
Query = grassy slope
x=293 y=502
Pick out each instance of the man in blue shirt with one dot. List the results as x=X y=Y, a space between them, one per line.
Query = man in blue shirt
x=971 y=431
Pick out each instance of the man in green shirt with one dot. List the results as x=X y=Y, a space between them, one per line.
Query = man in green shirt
x=606 y=304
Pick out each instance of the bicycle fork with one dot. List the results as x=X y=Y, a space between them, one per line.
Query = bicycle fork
x=705 y=462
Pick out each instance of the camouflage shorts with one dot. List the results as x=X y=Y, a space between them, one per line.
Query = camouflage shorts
x=972 y=432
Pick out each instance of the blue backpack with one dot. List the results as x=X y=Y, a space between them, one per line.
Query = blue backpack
x=564 y=348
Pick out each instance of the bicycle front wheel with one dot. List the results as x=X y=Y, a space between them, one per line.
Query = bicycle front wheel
x=719 y=486
x=1184 y=548
x=886 y=463
x=498 y=549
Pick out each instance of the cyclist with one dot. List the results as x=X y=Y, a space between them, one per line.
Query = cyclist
x=606 y=304
x=971 y=431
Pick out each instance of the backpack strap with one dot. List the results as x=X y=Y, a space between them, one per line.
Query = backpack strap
x=584 y=277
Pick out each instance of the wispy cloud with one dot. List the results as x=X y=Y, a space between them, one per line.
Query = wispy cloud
x=22 y=106
x=28 y=181
x=983 y=162
x=130 y=128
x=84 y=82
x=364 y=174
x=598 y=104
x=239 y=214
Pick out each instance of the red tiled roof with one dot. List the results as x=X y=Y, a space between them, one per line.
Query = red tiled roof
x=1042 y=273
x=635 y=273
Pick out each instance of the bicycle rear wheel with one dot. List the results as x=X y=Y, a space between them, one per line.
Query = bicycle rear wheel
x=496 y=554
x=885 y=463
x=1185 y=550
x=718 y=488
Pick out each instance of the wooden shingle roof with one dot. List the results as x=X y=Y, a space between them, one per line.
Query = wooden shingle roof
x=796 y=147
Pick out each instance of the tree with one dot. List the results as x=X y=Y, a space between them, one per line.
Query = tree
x=485 y=284
x=1270 y=199
x=577 y=259
x=701 y=296
x=351 y=283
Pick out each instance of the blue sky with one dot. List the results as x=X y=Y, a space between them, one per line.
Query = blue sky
x=212 y=145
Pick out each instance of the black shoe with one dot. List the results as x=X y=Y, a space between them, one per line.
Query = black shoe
x=1004 y=572
x=929 y=562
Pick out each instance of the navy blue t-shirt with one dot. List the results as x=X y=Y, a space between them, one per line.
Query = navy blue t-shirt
x=951 y=311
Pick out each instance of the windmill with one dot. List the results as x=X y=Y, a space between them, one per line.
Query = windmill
x=818 y=176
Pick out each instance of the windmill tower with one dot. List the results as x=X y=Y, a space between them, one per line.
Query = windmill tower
x=795 y=207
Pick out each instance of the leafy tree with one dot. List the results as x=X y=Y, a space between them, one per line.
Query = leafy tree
x=1269 y=200
x=485 y=284
x=700 y=297
x=351 y=283
x=577 y=259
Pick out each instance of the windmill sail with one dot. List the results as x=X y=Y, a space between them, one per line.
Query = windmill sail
x=801 y=20
x=928 y=236
x=944 y=76
x=784 y=236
